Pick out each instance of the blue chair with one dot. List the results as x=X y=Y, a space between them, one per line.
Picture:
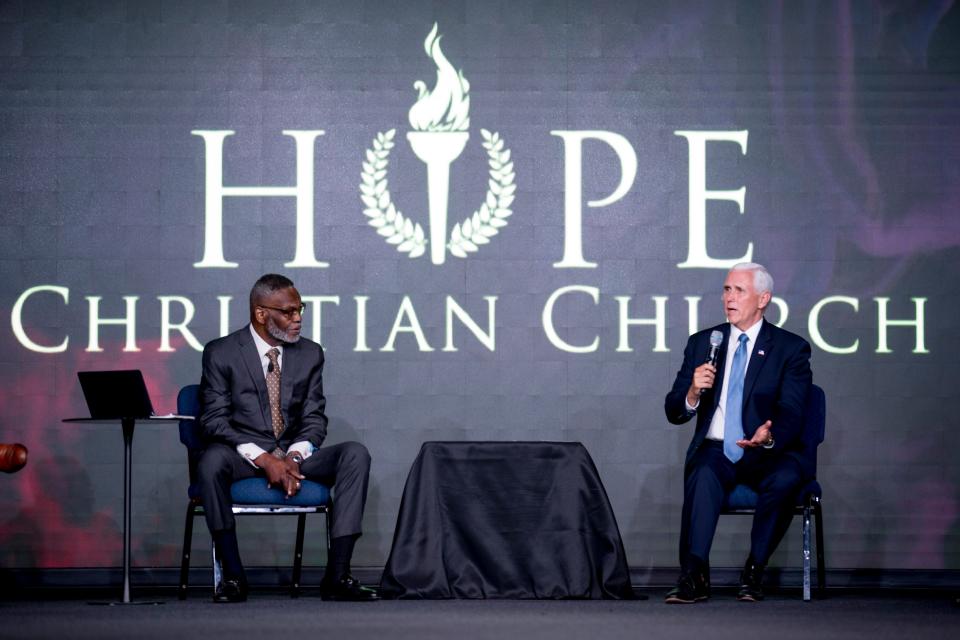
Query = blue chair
x=251 y=496
x=742 y=499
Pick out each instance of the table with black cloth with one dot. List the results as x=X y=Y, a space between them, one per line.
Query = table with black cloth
x=505 y=520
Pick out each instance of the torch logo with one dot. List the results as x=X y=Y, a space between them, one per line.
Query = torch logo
x=440 y=120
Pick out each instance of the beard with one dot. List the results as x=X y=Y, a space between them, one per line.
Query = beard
x=278 y=334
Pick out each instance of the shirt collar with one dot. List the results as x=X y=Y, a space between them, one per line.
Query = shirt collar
x=752 y=332
x=261 y=344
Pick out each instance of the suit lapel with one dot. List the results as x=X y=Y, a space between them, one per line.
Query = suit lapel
x=288 y=374
x=758 y=357
x=251 y=359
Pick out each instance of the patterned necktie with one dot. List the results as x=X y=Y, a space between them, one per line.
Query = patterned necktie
x=273 y=391
x=732 y=417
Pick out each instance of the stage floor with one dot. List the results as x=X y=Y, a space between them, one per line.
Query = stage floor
x=780 y=617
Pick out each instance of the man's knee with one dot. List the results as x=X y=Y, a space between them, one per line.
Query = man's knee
x=702 y=478
x=781 y=483
x=213 y=465
x=355 y=455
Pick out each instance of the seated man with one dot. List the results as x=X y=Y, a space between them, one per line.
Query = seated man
x=262 y=411
x=748 y=397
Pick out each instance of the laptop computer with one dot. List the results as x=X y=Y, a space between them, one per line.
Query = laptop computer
x=116 y=394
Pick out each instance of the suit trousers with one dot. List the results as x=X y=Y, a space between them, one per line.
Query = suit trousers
x=710 y=476
x=345 y=467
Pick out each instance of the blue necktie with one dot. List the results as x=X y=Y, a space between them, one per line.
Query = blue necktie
x=732 y=416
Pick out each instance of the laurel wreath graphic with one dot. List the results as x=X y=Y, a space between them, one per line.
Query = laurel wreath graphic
x=467 y=236
x=492 y=215
x=389 y=222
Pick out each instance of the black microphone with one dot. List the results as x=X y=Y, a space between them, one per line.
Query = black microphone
x=716 y=339
x=270 y=364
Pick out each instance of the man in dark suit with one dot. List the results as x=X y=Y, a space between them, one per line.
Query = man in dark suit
x=263 y=415
x=749 y=409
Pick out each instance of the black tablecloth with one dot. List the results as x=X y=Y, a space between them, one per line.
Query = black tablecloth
x=505 y=520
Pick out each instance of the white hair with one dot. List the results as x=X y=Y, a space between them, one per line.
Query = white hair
x=762 y=280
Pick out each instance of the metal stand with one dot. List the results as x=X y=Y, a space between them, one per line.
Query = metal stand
x=127 y=425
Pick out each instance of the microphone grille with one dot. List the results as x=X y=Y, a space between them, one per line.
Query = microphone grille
x=716 y=338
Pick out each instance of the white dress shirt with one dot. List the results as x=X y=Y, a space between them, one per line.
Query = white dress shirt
x=249 y=450
x=715 y=432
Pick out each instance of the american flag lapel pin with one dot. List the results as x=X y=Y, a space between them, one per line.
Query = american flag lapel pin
x=760 y=353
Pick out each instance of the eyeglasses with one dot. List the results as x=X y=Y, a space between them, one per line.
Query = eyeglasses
x=287 y=313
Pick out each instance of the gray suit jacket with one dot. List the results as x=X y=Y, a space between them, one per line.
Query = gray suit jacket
x=233 y=393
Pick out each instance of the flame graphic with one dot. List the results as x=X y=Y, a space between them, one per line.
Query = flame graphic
x=447 y=107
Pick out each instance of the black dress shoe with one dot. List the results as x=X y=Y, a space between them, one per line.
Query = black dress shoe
x=347 y=588
x=751 y=582
x=230 y=591
x=691 y=587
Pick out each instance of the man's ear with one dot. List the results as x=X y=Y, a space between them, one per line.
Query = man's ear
x=765 y=300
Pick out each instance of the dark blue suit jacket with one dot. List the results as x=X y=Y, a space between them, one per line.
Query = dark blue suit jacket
x=235 y=408
x=775 y=388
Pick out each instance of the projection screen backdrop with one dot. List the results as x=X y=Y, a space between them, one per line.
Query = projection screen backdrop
x=505 y=219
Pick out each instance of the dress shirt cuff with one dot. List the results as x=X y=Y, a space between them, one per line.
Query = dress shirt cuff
x=691 y=409
x=250 y=452
x=304 y=448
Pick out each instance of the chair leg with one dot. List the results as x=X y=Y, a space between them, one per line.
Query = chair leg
x=821 y=565
x=329 y=515
x=185 y=557
x=806 y=553
x=298 y=556
x=217 y=569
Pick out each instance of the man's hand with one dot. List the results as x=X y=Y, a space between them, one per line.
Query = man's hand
x=284 y=474
x=293 y=476
x=703 y=377
x=761 y=437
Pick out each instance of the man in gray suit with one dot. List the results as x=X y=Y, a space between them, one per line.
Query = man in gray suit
x=263 y=416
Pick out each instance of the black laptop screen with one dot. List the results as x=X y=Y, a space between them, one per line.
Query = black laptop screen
x=116 y=394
